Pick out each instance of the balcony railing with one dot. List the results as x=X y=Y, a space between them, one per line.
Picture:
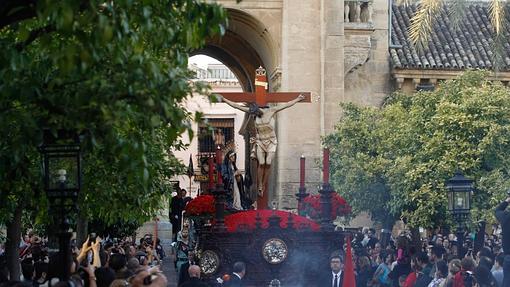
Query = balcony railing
x=358 y=11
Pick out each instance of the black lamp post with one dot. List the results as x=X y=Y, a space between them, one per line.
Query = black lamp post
x=62 y=182
x=460 y=190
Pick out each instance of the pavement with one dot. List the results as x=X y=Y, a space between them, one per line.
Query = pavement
x=169 y=270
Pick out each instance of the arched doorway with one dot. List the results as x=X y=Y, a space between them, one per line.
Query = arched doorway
x=246 y=45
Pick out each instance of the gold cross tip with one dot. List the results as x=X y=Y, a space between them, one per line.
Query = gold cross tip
x=260 y=71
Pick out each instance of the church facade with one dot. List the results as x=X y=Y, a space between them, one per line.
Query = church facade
x=339 y=51
x=303 y=46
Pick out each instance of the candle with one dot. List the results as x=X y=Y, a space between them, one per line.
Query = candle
x=325 y=165
x=211 y=174
x=218 y=165
x=62 y=175
x=460 y=202
x=302 y=171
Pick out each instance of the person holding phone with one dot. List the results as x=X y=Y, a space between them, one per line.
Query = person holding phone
x=503 y=216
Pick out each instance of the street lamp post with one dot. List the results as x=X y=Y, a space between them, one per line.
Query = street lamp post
x=460 y=189
x=62 y=183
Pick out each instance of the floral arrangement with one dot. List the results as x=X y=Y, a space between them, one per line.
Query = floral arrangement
x=248 y=219
x=202 y=205
x=339 y=206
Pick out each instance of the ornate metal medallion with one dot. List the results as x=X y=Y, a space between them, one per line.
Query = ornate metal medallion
x=274 y=251
x=209 y=262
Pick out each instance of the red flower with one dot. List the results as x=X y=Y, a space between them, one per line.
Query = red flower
x=201 y=205
x=339 y=206
x=247 y=219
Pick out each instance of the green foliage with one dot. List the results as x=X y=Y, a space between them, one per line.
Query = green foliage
x=114 y=71
x=108 y=188
x=2 y=234
x=118 y=229
x=393 y=161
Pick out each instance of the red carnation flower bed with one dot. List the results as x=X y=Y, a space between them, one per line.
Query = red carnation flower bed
x=201 y=205
x=204 y=206
x=247 y=219
x=339 y=206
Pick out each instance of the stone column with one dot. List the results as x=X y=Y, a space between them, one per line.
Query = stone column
x=333 y=50
x=312 y=60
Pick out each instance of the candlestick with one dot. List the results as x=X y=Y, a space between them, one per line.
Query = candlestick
x=325 y=165
x=302 y=171
x=211 y=173
x=218 y=165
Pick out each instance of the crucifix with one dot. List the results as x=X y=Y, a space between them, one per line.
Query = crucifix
x=263 y=145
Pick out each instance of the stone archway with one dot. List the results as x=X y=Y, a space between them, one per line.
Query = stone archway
x=246 y=45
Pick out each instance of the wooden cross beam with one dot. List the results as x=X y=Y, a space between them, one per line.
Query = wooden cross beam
x=261 y=96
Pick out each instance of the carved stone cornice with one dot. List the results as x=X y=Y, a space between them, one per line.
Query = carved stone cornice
x=416 y=75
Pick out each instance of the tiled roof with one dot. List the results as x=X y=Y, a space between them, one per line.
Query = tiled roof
x=449 y=48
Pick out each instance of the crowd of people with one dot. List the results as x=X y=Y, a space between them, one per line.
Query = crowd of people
x=440 y=260
x=443 y=259
x=96 y=263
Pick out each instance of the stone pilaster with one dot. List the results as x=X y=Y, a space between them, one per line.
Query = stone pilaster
x=312 y=60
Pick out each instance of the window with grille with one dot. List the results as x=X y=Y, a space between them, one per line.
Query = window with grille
x=215 y=132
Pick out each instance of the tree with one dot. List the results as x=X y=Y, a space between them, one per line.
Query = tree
x=393 y=161
x=113 y=71
x=358 y=170
x=113 y=195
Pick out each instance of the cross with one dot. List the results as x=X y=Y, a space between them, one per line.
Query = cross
x=262 y=97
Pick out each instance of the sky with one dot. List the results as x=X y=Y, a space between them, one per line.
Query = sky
x=203 y=60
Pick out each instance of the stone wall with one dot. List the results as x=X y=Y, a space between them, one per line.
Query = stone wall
x=367 y=77
x=312 y=60
x=350 y=64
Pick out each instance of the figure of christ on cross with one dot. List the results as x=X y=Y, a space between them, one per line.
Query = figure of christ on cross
x=265 y=142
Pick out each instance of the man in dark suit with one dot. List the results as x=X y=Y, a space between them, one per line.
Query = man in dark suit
x=238 y=272
x=184 y=274
x=176 y=207
x=335 y=277
x=194 y=275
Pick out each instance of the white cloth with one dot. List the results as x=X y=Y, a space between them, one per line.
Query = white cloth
x=236 y=194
